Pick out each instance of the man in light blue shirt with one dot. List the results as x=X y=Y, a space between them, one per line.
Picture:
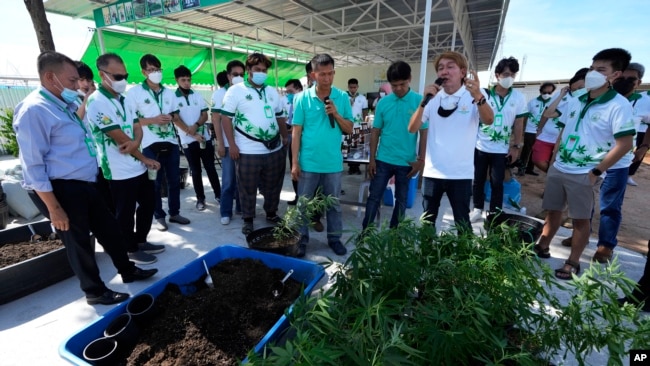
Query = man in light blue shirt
x=321 y=114
x=396 y=154
x=59 y=168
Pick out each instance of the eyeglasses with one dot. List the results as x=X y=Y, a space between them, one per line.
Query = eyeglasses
x=116 y=77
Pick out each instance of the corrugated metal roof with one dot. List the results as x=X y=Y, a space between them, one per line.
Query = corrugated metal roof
x=354 y=32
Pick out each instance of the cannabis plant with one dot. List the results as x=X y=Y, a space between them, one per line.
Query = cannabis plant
x=411 y=296
x=7 y=133
x=300 y=214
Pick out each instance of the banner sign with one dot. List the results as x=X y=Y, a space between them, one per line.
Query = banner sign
x=125 y=11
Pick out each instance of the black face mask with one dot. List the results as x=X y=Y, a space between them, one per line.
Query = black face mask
x=184 y=91
x=446 y=112
x=624 y=86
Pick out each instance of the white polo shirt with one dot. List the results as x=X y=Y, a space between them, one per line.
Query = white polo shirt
x=495 y=138
x=254 y=111
x=552 y=127
x=641 y=110
x=358 y=104
x=217 y=103
x=189 y=109
x=104 y=114
x=535 y=108
x=590 y=132
x=142 y=102
x=451 y=140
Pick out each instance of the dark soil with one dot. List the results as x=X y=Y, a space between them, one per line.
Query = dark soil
x=215 y=326
x=19 y=252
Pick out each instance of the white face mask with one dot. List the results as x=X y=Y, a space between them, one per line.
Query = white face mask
x=382 y=94
x=546 y=96
x=237 y=80
x=155 y=77
x=594 y=80
x=118 y=86
x=507 y=82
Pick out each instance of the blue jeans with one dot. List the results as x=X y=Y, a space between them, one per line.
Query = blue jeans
x=458 y=191
x=331 y=185
x=169 y=164
x=228 y=186
x=378 y=186
x=497 y=164
x=612 y=192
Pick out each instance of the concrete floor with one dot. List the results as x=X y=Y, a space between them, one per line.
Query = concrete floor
x=32 y=328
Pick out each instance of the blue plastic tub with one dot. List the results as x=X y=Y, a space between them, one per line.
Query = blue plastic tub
x=410 y=196
x=308 y=273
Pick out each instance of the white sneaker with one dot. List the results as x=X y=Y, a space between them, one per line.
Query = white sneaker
x=631 y=182
x=476 y=215
x=225 y=220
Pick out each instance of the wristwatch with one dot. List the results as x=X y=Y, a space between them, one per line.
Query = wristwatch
x=518 y=146
x=597 y=172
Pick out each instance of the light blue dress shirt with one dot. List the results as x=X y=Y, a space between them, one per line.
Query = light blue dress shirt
x=54 y=143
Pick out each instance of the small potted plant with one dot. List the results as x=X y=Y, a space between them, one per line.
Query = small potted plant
x=283 y=238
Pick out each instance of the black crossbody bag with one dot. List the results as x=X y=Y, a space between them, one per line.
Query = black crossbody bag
x=271 y=144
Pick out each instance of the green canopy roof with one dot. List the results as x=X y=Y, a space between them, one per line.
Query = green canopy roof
x=172 y=54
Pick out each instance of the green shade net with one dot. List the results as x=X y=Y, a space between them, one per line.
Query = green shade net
x=172 y=54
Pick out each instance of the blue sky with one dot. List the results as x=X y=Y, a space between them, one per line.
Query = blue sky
x=556 y=36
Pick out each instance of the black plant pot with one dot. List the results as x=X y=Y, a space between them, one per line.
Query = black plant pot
x=102 y=351
x=528 y=228
x=262 y=239
x=142 y=308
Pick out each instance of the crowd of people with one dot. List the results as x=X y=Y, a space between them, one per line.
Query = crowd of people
x=121 y=149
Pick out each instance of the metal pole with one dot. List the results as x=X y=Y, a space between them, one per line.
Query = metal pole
x=425 y=46
x=214 y=63
x=100 y=38
x=276 y=69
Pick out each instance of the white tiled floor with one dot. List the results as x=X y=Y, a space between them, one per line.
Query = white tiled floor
x=32 y=328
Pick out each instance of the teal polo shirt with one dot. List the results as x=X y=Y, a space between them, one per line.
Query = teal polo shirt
x=320 y=144
x=397 y=145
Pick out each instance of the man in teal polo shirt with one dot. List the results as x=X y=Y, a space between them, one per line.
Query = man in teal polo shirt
x=396 y=154
x=321 y=114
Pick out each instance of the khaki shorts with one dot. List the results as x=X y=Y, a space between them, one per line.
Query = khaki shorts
x=574 y=190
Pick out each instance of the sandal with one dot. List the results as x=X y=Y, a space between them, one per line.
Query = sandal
x=565 y=274
x=542 y=252
x=603 y=254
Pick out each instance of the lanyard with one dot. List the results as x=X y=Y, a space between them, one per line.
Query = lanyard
x=496 y=100
x=261 y=93
x=155 y=96
x=72 y=116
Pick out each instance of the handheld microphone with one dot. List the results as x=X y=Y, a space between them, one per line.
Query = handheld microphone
x=428 y=97
x=327 y=101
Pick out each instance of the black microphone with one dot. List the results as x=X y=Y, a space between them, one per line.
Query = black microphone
x=428 y=97
x=327 y=101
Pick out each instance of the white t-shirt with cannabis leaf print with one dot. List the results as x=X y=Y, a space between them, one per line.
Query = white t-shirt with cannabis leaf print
x=254 y=111
x=495 y=138
x=590 y=132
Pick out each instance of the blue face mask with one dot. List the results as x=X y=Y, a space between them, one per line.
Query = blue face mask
x=68 y=95
x=580 y=92
x=290 y=98
x=259 y=78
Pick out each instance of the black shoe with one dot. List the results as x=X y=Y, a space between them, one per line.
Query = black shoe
x=138 y=274
x=338 y=248
x=247 y=228
x=520 y=172
x=531 y=172
x=302 y=249
x=273 y=218
x=107 y=298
